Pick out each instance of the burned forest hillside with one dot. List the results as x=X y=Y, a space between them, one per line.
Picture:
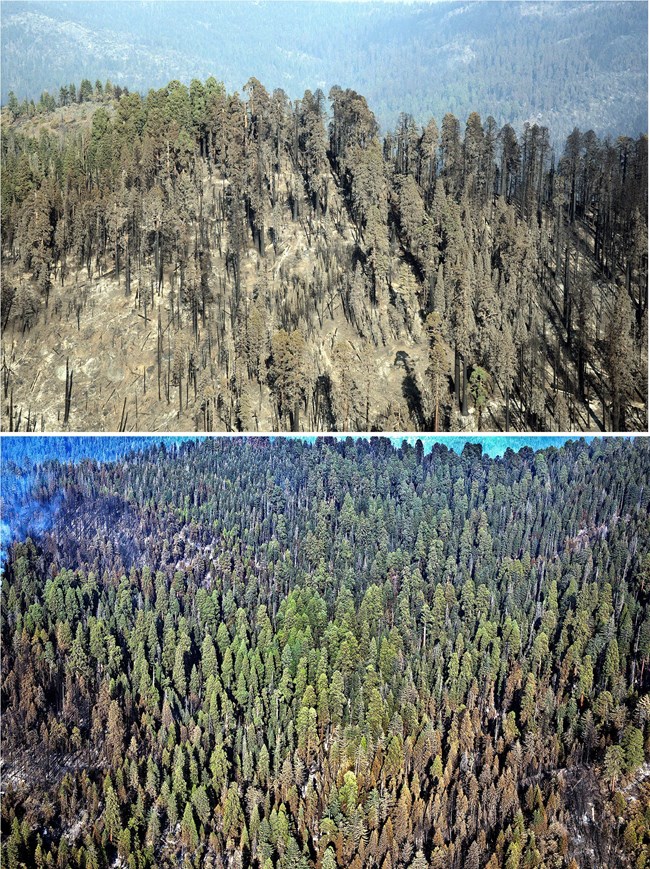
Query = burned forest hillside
x=194 y=260
x=286 y=655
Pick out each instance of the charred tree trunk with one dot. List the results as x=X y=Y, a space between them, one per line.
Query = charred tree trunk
x=464 y=410
x=68 y=392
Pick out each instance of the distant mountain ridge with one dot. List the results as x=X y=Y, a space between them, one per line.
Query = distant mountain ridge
x=557 y=64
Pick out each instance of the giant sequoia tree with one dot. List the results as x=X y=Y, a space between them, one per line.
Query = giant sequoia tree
x=285 y=654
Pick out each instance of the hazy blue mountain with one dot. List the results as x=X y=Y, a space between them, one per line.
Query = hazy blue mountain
x=559 y=64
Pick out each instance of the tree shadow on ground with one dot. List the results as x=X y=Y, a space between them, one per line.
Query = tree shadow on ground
x=410 y=389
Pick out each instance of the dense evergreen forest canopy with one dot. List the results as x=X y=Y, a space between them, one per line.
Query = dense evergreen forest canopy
x=199 y=260
x=556 y=64
x=234 y=652
x=27 y=453
x=21 y=458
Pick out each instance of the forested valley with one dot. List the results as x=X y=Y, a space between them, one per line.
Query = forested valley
x=195 y=260
x=590 y=65
x=268 y=652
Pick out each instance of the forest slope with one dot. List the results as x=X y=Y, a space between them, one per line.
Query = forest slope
x=556 y=64
x=199 y=261
x=331 y=654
